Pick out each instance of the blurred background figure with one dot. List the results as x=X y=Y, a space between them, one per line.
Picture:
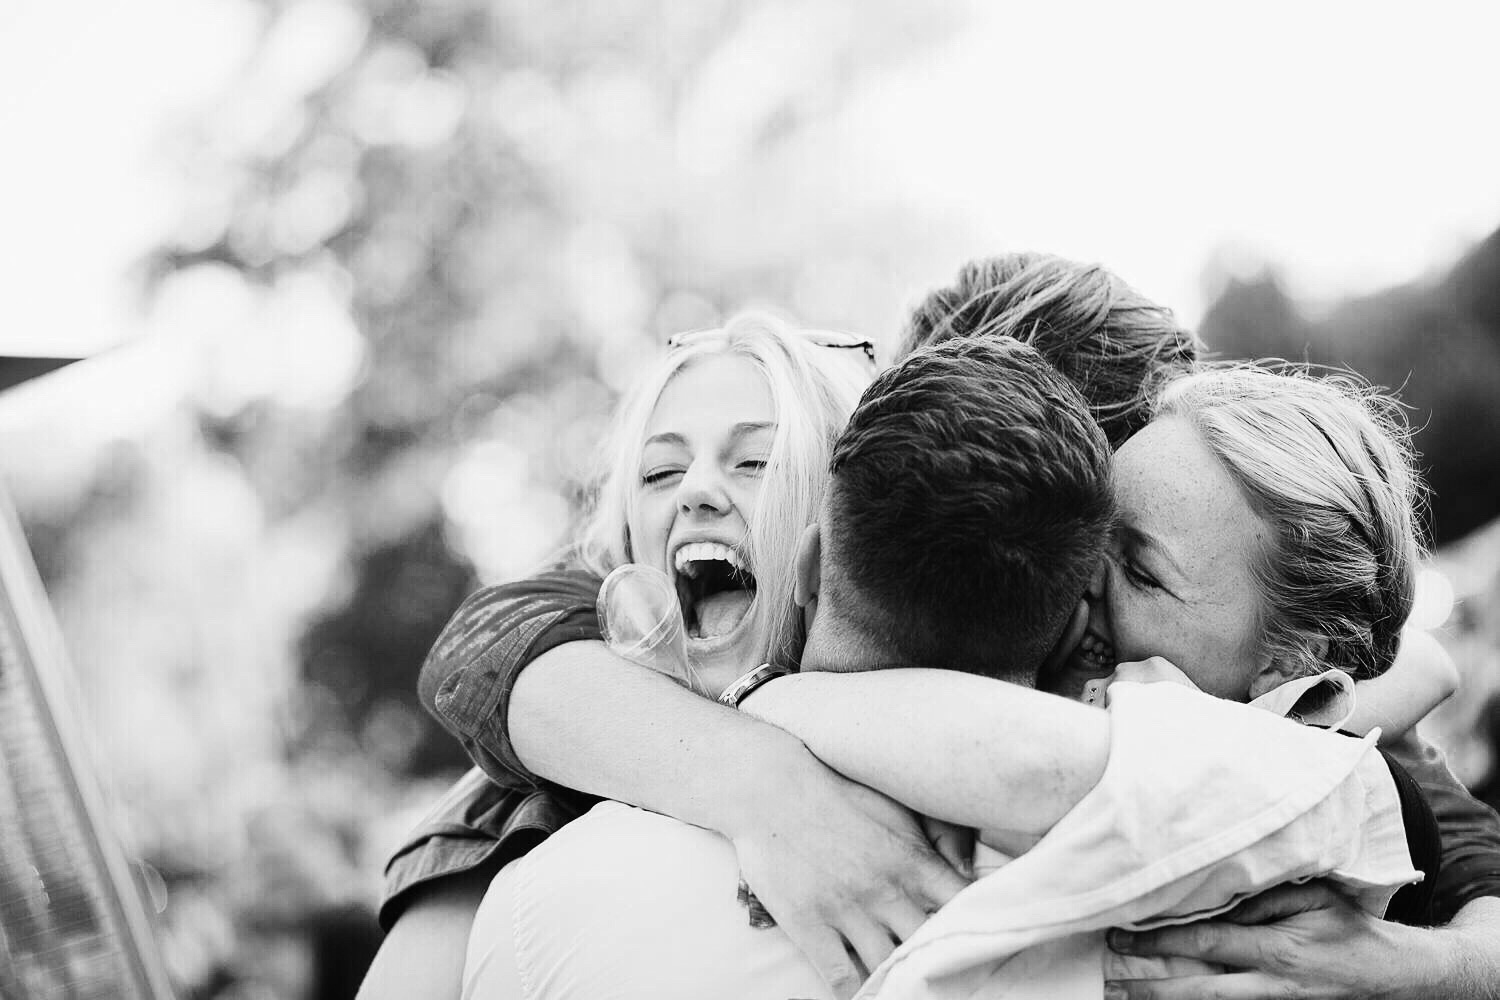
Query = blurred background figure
x=371 y=272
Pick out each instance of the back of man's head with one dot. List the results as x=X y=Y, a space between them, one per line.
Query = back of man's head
x=1117 y=346
x=968 y=506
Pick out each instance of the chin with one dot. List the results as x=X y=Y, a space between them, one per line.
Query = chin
x=723 y=659
x=718 y=674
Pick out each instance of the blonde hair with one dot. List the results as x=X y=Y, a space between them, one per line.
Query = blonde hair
x=1326 y=461
x=813 y=391
x=1117 y=346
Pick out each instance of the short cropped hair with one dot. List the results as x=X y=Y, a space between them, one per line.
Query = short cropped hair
x=968 y=507
x=1326 y=462
x=1117 y=346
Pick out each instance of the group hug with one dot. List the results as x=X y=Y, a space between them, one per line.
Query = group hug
x=1052 y=659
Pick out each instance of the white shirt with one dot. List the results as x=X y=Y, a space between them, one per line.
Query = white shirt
x=626 y=903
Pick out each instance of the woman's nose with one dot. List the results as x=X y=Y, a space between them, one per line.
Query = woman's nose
x=702 y=490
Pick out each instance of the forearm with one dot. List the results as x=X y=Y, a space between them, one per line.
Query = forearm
x=1468 y=965
x=423 y=954
x=586 y=719
x=1458 y=961
x=954 y=746
x=1422 y=678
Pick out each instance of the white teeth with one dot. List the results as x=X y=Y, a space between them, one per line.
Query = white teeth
x=1095 y=649
x=695 y=552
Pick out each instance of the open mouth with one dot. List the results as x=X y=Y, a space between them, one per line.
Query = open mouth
x=1094 y=653
x=715 y=587
x=1091 y=659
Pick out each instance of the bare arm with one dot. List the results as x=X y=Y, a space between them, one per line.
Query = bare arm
x=584 y=718
x=1017 y=778
x=422 y=958
x=1420 y=680
x=1472 y=944
x=832 y=861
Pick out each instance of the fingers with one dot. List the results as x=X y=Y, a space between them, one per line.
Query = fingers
x=825 y=949
x=934 y=882
x=903 y=918
x=953 y=843
x=1281 y=902
x=871 y=942
x=1208 y=940
x=1231 y=986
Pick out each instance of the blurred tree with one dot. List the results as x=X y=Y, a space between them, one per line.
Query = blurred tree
x=1437 y=343
x=422 y=245
x=475 y=216
x=361 y=654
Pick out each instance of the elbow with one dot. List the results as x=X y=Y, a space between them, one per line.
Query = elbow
x=1438 y=665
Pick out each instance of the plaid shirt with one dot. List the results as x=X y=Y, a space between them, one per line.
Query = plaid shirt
x=500 y=810
x=1470 y=830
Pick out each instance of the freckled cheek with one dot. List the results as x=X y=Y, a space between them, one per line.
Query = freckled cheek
x=1129 y=625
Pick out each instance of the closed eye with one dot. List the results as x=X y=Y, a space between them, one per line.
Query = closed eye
x=658 y=477
x=1138 y=576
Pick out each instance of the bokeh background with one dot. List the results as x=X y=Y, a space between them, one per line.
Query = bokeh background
x=359 y=280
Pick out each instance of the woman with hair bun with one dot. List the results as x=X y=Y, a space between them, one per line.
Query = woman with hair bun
x=1268 y=531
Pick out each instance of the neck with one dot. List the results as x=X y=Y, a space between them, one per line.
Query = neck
x=838 y=646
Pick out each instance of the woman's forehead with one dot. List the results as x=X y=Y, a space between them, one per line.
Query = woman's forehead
x=1170 y=486
x=721 y=390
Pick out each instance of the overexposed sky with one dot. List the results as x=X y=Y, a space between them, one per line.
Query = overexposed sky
x=89 y=90
x=1352 y=143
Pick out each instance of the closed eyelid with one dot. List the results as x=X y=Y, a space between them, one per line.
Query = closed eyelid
x=1141 y=575
x=1137 y=540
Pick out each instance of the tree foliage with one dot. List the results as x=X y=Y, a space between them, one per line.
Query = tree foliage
x=1436 y=343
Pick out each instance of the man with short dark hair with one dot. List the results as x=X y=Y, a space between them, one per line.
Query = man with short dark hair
x=969 y=503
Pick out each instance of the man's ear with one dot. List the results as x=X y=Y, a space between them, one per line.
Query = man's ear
x=1072 y=634
x=809 y=567
x=1095 y=590
x=1279 y=669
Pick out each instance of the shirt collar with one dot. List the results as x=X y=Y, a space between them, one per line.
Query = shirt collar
x=1325 y=699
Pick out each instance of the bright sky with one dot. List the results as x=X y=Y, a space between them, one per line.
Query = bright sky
x=1349 y=142
x=88 y=90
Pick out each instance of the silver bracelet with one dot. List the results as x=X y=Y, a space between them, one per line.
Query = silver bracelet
x=748 y=683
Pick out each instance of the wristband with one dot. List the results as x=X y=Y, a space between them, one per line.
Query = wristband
x=749 y=683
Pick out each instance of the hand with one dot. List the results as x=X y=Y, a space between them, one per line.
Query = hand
x=1294 y=941
x=953 y=843
x=846 y=872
